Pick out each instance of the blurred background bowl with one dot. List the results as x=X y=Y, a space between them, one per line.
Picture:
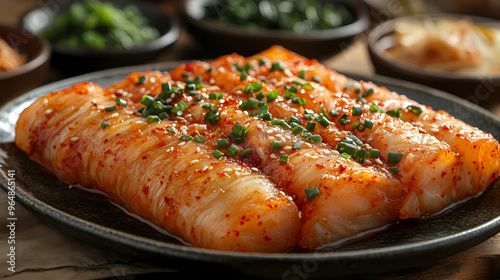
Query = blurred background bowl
x=478 y=89
x=76 y=60
x=32 y=73
x=218 y=38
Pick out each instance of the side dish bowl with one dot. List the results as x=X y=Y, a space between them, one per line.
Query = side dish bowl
x=479 y=89
x=76 y=60
x=220 y=38
x=32 y=73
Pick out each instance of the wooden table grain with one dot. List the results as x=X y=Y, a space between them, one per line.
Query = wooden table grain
x=44 y=252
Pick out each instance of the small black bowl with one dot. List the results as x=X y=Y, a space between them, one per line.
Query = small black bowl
x=29 y=75
x=483 y=90
x=218 y=38
x=80 y=60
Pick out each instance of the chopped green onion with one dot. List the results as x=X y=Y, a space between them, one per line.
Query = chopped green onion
x=333 y=113
x=374 y=108
x=343 y=120
x=104 y=124
x=344 y=147
x=394 y=170
x=394 y=157
x=249 y=104
x=302 y=74
x=217 y=154
x=179 y=108
x=277 y=66
x=232 y=151
x=243 y=77
x=272 y=95
x=140 y=80
x=355 y=139
x=262 y=110
x=239 y=130
x=215 y=96
x=317 y=79
x=121 y=102
x=186 y=74
x=256 y=86
x=397 y=113
x=296 y=145
x=186 y=138
x=357 y=88
x=357 y=110
x=283 y=159
x=312 y=193
x=152 y=118
x=310 y=126
x=368 y=92
x=259 y=95
x=110 y=108
x=262 y=61
x=297 y=129
x=373 y=153
x=171 y=131
x=315 y=138
x=359 y=126
x=416 y=110
x=212 y=117
x=288 y=95
x=349 y=84
x=245 y=153
x=163 y=115
x=322 y=120
x=222 y=144
x=368 y=124
x=276 y=145
x=293 y=89
x=346 y=155
x=300 y=101
x=293 y=119
x=199 y=139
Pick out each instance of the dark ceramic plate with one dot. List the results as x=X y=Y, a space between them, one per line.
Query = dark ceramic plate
x=92 y=218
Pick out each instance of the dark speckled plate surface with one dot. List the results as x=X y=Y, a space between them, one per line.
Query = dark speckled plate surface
x=92 y=218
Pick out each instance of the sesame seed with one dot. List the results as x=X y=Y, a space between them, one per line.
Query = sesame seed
x=188 y=116
x=113 y=96
x=45 y=102
x=314 y=157
x=93 y=101
x=378 y=161
x=434 y=129
x=168 y=100
x=101 y=107
x=238 y=92
x=138 y=122
x=48 y=111
x=254 y=169
x=74 y=139
x=172 y=95
x=287 y=148
x=273 y=156
x=294 y=110
x=324 y=176
x=259 y=126
x=198 y=149
x=181 y=143
x=300 y=214
x=114 y=115
x=228 y=169
x=302 y=91
x=204 y=168
x=194 y=161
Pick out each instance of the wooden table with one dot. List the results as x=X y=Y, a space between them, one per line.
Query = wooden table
x=45 y=253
